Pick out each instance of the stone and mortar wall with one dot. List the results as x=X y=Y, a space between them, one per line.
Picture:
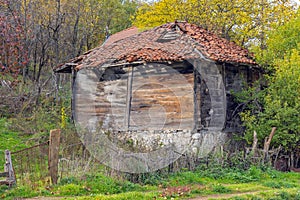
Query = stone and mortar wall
x=185 y=142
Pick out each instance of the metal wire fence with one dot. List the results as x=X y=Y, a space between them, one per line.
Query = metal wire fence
x=75 y=161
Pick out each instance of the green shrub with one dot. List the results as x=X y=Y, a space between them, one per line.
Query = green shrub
x=285 y=195
x=238 y=198
x=256 y=198
x=21 y=192
x=185 y=178
x=279 y=184
x=71 y=190
x=297 y=196
x=107 y=185
x=282 y=196
x=3 y=188
x=152 y=178
x=240 y=177
x=218 y=188
x=69 y=180
x=254 y=172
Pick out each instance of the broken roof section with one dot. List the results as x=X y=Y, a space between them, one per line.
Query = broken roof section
x=171 y=42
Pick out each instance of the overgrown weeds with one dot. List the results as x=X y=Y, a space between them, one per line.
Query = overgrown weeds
x=173 y=185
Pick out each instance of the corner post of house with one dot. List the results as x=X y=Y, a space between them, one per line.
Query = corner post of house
x=73 y=99
x=197 y=98
x=128 y=98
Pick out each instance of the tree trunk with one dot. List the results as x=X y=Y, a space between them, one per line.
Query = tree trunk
x=267 y=144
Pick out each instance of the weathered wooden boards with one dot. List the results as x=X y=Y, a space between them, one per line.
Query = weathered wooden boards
x=235 y=79
x=162 y=99
x=8 y=171
x=151 y=97
x=216 y=115
x=54 y=142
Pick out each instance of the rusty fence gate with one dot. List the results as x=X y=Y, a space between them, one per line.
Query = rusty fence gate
x=31 y=164
x=39 y=163
x=50 y=161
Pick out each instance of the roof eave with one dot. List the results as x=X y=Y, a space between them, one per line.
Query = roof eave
x=66 y=68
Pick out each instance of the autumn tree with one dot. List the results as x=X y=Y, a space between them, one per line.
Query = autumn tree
x=40 y=34
x=13 y=54
x=13 y=57
x=59 y=30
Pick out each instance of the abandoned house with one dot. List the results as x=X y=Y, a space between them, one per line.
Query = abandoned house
x=170 y=84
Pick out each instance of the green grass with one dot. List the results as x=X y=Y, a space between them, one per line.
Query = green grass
x=9 y=140
x=263 y=183
x=122 y=196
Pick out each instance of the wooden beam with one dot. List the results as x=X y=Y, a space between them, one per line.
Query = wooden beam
x=71 y=64
x=73 y=97
x=128 y=98
x=132 y=64
x=125 y=64
x=197 y=101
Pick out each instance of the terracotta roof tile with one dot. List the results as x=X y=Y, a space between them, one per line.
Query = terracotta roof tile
x=149 y=54
x=121 y=35
x=169 y=42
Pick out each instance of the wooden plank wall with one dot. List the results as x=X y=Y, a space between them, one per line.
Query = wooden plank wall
x=162 y=99
x=235 y=77
x=105 y=100
x=153 y=97
x=111 y=103
x=83 y=96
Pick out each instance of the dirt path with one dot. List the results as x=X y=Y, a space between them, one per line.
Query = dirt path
x=219 y=196
x=213 y=196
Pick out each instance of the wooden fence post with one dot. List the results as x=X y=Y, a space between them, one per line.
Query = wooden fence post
x=54 y=142
x=11 y=179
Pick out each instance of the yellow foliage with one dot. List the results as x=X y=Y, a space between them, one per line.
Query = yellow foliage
x=63 y=117
x=237 y=20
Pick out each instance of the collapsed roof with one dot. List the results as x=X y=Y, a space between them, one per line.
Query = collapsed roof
x=171 y=42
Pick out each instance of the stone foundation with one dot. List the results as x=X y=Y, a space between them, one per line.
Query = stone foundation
x=197 y=145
